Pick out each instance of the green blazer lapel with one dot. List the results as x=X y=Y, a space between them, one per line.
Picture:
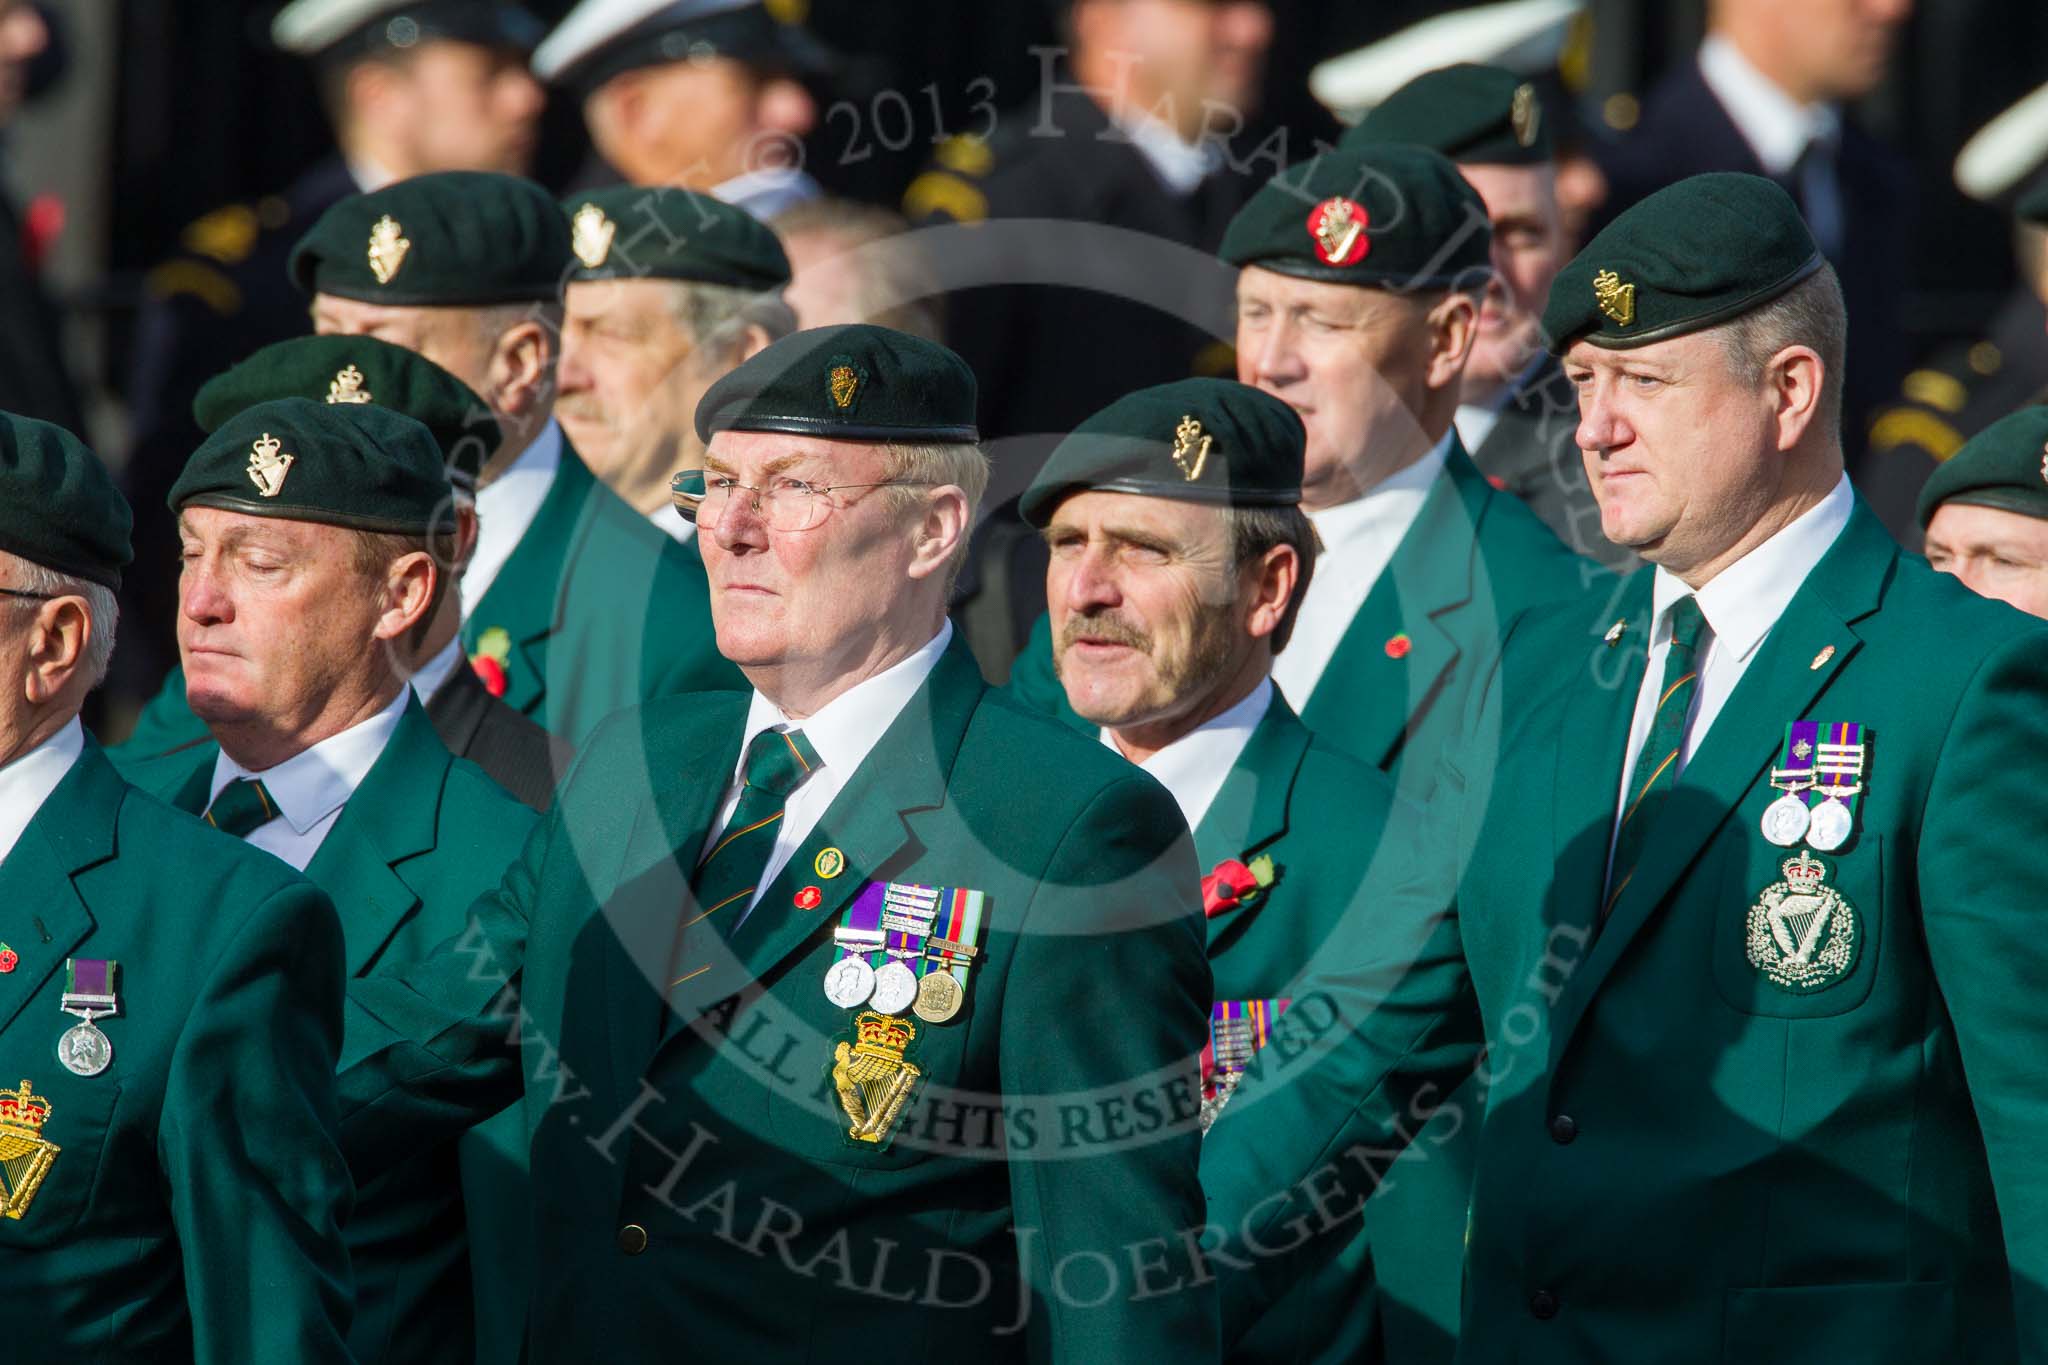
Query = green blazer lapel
x=190 y=792
x=1781 y=684
x=872 y=822
x=73 y=831
x=391 y=817
x=524 y=600
x=1368 y=694
x=1592 y=741
x=1251 y=808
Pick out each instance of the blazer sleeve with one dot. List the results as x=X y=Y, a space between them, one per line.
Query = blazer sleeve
x=258 y=1187
x=1106 y=1009
x=1983 y=881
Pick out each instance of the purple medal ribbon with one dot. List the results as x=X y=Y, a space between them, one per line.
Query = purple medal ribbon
x=860 y=930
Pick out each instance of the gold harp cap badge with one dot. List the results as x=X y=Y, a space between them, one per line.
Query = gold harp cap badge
x=1525 y=115
x=1616 y=300
x=268 y=464
x=1190 y=448
x=388 y=246
x=590 y=236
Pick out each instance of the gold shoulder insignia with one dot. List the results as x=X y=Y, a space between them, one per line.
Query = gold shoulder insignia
x=1938 y=390
x=1904 y=426
x=226 y=235
x=944 y=193
x=202 y=281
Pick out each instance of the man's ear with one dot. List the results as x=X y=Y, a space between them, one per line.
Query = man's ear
x=1453 y=327
x=56 y=648
x=753 y=341
x=1271 y=579
x=522 y=368
x=1795 y=377
x=945 y=524
x=408 y=594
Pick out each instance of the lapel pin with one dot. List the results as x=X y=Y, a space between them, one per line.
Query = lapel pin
x=1615 y=632
x=1398 y=647
x=1827 y=652
x=810 y=898
x=9 y=959
x=829 y=863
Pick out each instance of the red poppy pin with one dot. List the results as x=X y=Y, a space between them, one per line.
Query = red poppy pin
x=491 y=672
x=1338 y=228
x=1234 y=884
x=493 y=648
x=9 y=959
x=809 y=898
x=1398 y=647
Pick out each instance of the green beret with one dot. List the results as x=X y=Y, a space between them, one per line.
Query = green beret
x=361 y=369
x=58 y=506
x=1195 y=440
x=855 y=382
x=2033 y=206
x=1475 y=115
x=360 y=466
x=2003 y=466
x=451 y=239
x=1379 y=215
x=634 y=232
x=1691 y=256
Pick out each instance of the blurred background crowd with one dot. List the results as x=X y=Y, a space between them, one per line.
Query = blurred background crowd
x=161 y=156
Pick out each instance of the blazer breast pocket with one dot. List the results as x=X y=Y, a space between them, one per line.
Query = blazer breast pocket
x=880 y=1092
x=1871 y=1324
x=51 y=1146
x=1797 y=933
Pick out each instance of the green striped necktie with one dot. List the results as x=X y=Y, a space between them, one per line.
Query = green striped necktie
x=243 y=807
x=1656 y=770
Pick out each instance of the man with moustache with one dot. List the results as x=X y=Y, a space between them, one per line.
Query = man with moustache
x=773 y=954
x=1516 y=412
x=1358 y=302
x=573 y=603
x=672 y=289
x=1734 y=883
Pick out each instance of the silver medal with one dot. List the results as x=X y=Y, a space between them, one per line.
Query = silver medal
x=895 y=988
x=849 y=982
x=1785 y=820
x=84 y=1050
x=1831 y=825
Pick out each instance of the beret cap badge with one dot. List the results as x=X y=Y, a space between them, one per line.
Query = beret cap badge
x=1190 y=448
x=844 y=382
x=1338 y=227
x=348 y=387
x=590 y=236
x=1525 y=115
x=267 y=466
x=388 y=246
x=1616 y=300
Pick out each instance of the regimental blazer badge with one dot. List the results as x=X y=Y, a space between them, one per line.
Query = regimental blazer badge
x=269 y=462
x=25 y=1154
x=873 y=1076
x=1802 y=933
x=590 y=236
x=1616 y=300
x=348 y=387
x=1338 y=228
x=388 y=246
x=1190 y=448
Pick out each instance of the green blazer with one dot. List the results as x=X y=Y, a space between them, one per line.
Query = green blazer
x=1392 y=1290
x=1473 y=559
x=603 y=609
x=1051 y=1129
x=194 y=1208
x=422 y=837
x=1680 y=1158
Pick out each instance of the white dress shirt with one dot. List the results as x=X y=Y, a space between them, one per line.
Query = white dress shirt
x=28 y=781
x=437 y=670
x=311 y=787
x=1475 y=421
x=1193 y=767
x=1779 y=129
x=1359 y=539
x=843 y=731
x=506 y=507
x=1741 y=604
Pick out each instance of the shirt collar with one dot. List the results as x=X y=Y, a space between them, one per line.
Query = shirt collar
x=847 y=727
x=1744 y=600
x=1181 y=166
x=1777 y=127
x=1390 y=496
x=26 y=783
x=315 y=783
x=534 y=465
x=1193 y=767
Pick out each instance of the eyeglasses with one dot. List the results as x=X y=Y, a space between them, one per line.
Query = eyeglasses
x=27 y=596
x=787 y=504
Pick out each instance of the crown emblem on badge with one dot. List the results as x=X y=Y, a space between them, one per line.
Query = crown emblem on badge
x=1338 y=227
x=347 y=387
x=388 y=246
x=1804 y=873
x=844 y=383
x=1616 y=300
x=590 y=236
x=883 y=1031
x=1525 y=115
x=25 y=1154
x=268 y=465
x=1190 y=448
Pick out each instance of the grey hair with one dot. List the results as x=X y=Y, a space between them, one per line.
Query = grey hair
x=100 y=606
x=963 y=465
x=496 y=319
x=1255 y=530
x=1811 y=313
x=716 y=316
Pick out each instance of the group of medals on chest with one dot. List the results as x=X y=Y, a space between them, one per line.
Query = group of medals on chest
x=1801 y=934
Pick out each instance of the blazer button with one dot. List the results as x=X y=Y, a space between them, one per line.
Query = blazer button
x=1543 y=1304
x=632 y=1239
x=1563 y=1129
